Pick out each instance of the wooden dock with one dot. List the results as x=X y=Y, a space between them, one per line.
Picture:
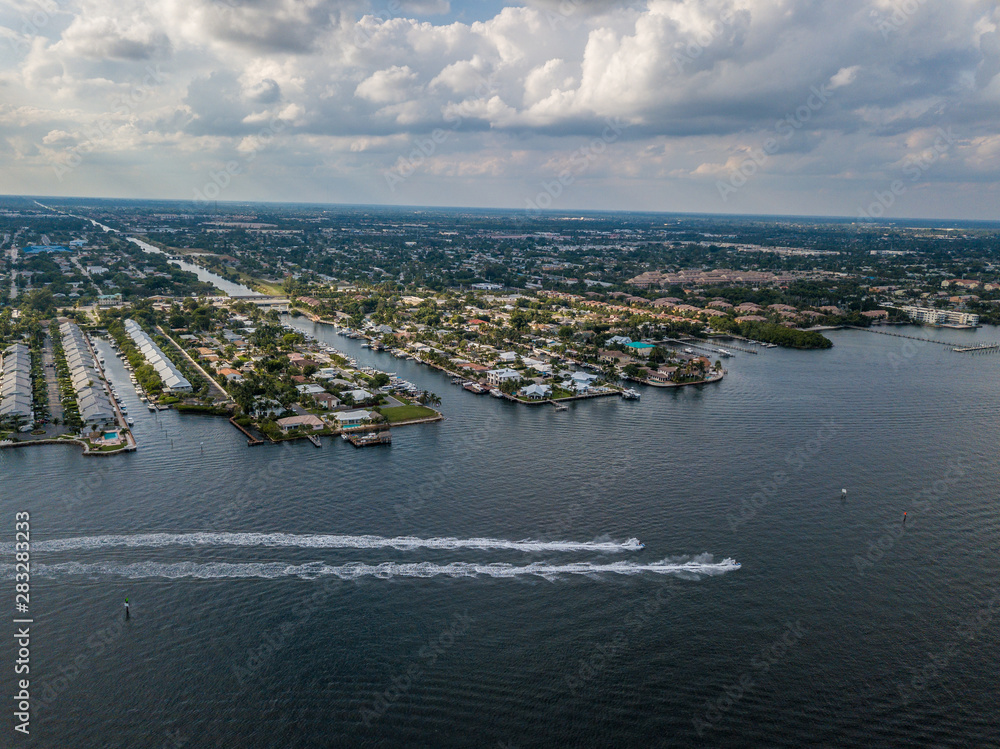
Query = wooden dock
x=368 y=439
x=314 y=439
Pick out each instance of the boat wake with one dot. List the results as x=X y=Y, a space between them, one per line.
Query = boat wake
x=401 y=543
x=696 y=567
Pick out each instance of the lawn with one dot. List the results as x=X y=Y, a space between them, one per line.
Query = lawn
x=406 y=413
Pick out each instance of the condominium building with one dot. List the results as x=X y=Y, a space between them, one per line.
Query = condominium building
x=932 y=316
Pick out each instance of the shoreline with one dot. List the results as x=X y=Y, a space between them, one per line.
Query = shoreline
x=129 y=447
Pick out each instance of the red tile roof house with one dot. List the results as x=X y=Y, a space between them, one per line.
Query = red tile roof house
x=231 y=375
x=473 y=367
x=876 y=314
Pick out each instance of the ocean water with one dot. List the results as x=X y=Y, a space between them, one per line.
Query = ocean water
x=480 y=583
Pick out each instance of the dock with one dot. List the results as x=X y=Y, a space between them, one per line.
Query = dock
x=982 y=348
x=710 y=349
x=314 y=439
x=368 y=439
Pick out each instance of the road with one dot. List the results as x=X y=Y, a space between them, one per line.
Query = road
x=216 y=390
x=52 y=386
x=13 y=273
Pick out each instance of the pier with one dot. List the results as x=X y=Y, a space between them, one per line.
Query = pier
x=958 y=347
x=369 y=438
x=982 y=348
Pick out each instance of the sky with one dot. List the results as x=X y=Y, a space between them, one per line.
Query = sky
x=861 y=108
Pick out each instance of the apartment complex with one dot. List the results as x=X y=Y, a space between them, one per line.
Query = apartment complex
x=931 y=316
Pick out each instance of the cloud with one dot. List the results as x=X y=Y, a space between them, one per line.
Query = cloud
x=107 y=38
x=698 y=82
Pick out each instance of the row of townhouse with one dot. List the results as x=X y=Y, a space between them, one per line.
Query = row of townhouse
x=92 y=396
x=15 y=384
x=173 y=380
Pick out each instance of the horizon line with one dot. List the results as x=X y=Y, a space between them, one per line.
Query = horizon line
x=531 y=214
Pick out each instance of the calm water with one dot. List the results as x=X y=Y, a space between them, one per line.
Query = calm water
x=840 y=629
x=228 y=287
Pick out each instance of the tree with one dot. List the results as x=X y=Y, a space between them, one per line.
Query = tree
x=520 y=319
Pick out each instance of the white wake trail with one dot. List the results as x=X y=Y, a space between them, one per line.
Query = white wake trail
x=271 y=570
x=401 y=543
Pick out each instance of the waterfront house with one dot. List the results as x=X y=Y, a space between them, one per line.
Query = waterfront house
x=354 y=418
x=535 y=392
x=639 y=349
x=308 y=421
x=663 y=374
x=499 y=376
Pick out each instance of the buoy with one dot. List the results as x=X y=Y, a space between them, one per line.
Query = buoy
x=126 y=610
x=843 y=492
x=904 y=518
